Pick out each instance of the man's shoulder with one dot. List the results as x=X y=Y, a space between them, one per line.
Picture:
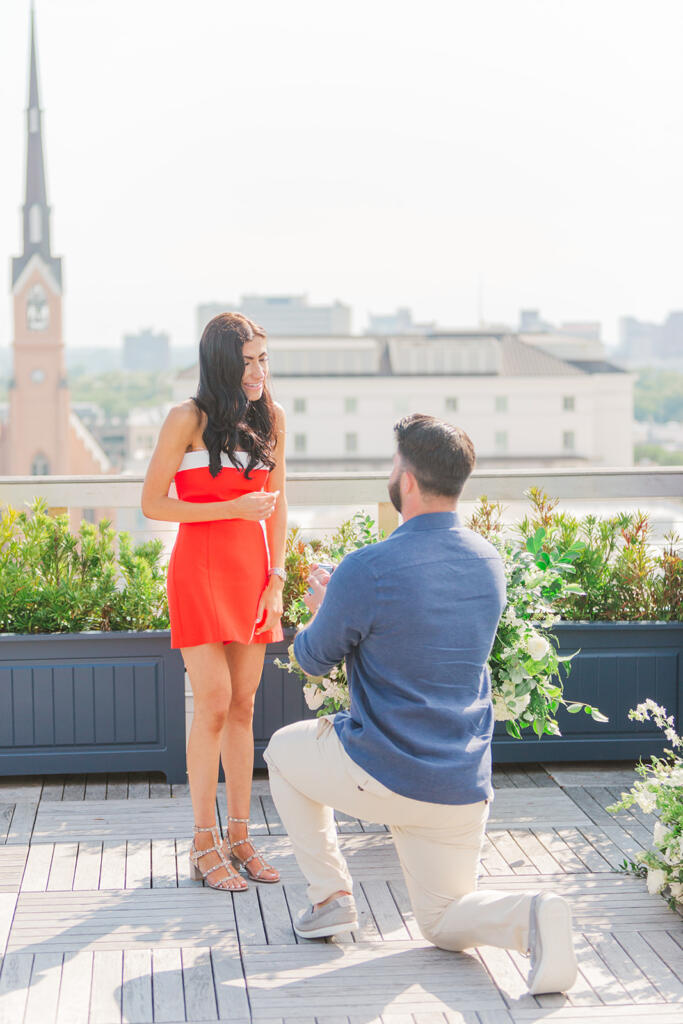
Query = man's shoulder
x=475 y=545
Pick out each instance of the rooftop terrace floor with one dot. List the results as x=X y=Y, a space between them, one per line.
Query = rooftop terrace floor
x=100 y=923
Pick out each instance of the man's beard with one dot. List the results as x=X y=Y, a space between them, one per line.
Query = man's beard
x=395 y=493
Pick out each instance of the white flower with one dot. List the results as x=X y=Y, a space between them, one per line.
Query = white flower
x=313 y=696
x=656 y=880
x=676 y=777
x=646 y=801
x=660 y=833
x=507 y=705
x=672 y=853
x=537 y=646
x=676 y=890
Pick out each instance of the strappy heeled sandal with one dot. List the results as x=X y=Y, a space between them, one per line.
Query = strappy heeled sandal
x=226 y=884
x=255 y=876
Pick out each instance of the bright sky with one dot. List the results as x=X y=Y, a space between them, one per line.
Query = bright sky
x=381 y=152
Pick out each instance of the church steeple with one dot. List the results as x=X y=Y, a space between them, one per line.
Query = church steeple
x=36 y=212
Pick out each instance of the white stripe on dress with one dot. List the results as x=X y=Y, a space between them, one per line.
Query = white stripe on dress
x=200 y=458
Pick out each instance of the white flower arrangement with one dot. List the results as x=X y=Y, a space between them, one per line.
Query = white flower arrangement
x=660 y=791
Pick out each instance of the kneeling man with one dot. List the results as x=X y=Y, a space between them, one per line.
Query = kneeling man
x=415 y=617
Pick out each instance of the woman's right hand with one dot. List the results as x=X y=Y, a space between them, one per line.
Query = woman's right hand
x=256 y=505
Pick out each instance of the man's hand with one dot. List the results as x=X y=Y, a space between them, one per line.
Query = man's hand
x=317 y=587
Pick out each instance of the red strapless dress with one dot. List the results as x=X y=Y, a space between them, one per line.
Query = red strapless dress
x=218 y=570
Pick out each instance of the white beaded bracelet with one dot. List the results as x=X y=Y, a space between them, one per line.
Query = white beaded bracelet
x=278 y=572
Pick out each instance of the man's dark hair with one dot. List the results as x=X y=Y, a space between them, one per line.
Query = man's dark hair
x=440 y=455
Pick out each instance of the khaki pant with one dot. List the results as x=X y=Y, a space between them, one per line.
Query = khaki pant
x=438 y=845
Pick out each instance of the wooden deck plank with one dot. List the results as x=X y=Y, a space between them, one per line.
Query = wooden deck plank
x=275 y=915
x=139 y=865
x=373 y=977
x=6 y=814
x=250 y=925
x=654 y=967
x=107 y=983
x=231 y=988
x=384 y=910
x=113 y=871
x=12 y=865
x=399 y=891
x=491 y=860
x=506 y=976
x=164 y=867
x=74 y=787
x=63 y=867
x=598 y=973
x=138 y=786
x=200 y=999
x=14 y=983
x=37 y=869
x=542 y=860
x=624 y=968
x=512 y=853
x=167 y=986
x=21 y=827
x=95 y=787
x=117 y=786
x=43 y=993
x=88 y=866
x=124 y=919
x=560 y=851
x=668 y=950
x=582 y=849
x=74 y=991
x=273 y=819
x=136 y=991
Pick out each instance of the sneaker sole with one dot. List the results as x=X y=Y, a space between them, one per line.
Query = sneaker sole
x=327 y=932
x=554 y=919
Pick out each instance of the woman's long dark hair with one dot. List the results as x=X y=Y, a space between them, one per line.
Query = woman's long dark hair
x=233 y=422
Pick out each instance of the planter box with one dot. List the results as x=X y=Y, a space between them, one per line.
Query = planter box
x=91 y=702
x=619 y=665
x=279 y=699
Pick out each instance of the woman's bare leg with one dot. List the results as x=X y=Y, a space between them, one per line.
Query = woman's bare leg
x=210 y=680
x=245 y=663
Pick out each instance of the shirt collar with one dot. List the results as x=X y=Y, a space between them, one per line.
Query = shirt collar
x=430 y=521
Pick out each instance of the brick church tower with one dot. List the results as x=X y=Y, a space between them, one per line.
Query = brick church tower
x=43 y=436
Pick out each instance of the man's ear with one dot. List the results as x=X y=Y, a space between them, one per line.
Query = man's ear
x=409 y=483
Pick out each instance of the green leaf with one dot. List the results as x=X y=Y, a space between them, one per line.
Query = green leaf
x=512 y=729
x=538 y=727
x=573 y=708
x=598 y=716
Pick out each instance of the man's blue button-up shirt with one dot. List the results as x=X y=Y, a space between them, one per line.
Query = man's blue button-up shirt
x=415 y=617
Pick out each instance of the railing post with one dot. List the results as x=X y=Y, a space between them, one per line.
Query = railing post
x=387 y=517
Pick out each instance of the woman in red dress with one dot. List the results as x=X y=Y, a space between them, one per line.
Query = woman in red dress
x=225 y=449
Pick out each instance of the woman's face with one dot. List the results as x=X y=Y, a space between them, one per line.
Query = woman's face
x=255 y=368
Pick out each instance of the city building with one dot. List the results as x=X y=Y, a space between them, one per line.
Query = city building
x=283 y=315
x=520 y=404
x=578 y=339
x=399 y=322
x=147 y=351
x=42 y=434
x=643 y=343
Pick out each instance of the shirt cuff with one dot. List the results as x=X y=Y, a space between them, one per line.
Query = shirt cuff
x=305 y=659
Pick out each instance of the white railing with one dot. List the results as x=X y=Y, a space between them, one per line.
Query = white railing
x=370 y=489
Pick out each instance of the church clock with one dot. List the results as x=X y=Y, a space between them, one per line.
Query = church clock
x=37 y=310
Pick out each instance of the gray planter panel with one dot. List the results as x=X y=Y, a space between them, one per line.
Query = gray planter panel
x=91 y=702
x=619 y=665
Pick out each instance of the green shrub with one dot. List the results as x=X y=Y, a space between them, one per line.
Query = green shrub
x=620 y=575
x=52 y=581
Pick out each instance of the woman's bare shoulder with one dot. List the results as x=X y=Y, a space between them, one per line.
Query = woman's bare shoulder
x=279 y=416
x=184 y=417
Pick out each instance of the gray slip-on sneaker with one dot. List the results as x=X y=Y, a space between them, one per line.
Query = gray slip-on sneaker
x=335 y=917
x=553 y=962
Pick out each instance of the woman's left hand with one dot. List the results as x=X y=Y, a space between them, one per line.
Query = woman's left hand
x=269 y=606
